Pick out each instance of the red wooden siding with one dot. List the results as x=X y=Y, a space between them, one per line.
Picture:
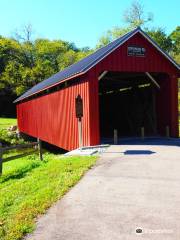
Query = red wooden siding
x=154 y=61
x=52 y=117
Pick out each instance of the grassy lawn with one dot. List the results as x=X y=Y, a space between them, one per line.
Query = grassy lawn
x=6 y=122
x=28 y=187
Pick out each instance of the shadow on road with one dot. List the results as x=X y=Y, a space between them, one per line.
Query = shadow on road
x=137 y=152
x=146 y=141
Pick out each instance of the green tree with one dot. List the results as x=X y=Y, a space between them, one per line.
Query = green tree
x=135 y=16
x=161 y=38
x=175 y=37
x=25 y=63
x=9 y=50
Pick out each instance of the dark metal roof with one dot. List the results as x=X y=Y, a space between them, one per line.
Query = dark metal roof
x=86 y=63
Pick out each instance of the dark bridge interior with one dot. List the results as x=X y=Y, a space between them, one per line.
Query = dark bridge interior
x=127 y=103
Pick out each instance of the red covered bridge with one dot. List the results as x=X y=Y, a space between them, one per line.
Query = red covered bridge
x=128 y=84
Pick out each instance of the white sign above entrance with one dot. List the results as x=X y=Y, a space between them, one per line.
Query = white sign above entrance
x=136 y=51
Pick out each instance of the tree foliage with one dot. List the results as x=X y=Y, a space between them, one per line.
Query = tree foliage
x=161 y=38
x=175 y=38
x=24 y=63
x=134 y=16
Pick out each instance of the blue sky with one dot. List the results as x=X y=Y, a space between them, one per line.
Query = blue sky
x=79 y=21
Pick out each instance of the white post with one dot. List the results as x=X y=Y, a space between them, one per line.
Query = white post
x=80 y=132
x=40 y=149
x=142 y=133
x=167 y=131
x=115 y=136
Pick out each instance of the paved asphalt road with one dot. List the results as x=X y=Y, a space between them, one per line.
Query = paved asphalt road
x=132 y=186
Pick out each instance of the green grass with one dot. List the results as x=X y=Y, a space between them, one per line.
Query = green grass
x=7 y=122
x=28 y=187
